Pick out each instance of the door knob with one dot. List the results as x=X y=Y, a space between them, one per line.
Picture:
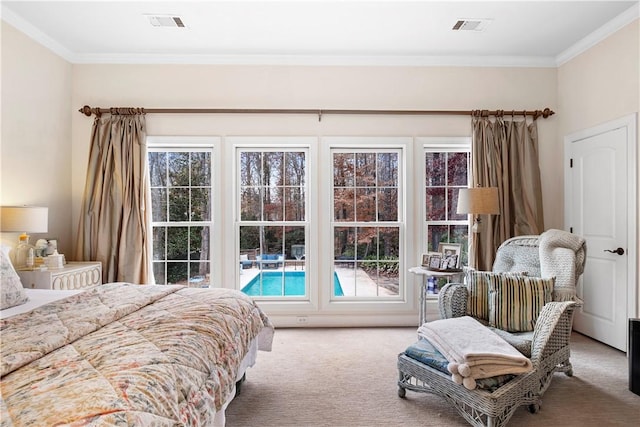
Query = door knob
x=618 y=251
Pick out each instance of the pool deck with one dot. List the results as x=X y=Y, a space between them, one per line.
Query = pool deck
x=349 y=279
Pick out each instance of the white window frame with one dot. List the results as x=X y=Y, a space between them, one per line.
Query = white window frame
x=187 y=143
x=364 y=304
x=276 y=144
x=440 y=145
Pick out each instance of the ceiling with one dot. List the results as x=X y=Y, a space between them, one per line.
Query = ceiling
x=517 y=33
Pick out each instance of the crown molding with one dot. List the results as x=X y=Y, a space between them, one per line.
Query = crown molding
x=323 y=60
x=327 y=60
x=16 y=21
x=617 y=23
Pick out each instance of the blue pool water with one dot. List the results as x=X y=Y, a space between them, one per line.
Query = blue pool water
x=293 y=284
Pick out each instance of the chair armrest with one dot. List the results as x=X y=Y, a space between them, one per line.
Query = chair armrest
x=452 y=300
x=552 y=331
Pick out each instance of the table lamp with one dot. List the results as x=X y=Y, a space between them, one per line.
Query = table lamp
x=23 y=219
x=478 y=201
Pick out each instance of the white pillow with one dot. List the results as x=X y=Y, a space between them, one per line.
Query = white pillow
x=13 y=293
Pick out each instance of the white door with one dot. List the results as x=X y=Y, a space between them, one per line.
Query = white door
x=600 y=200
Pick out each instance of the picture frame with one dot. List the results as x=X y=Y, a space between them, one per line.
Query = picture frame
x=435 y=261
x=425 y=260
x=450 y=255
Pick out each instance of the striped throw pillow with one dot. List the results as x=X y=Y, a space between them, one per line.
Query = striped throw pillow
x=478 y=287
x=515 y=302
x=478 y=299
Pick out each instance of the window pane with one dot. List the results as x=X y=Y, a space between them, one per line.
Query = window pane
x=159 y=273
x=344 y=280
x=365 y=204
x=366 y=261
x=295 y=169
x=177 y=243
x=178 y=204
x=388 y=204
x=435 y=204
x=367 y=243
x=295 y=247
x=460 y=234
x=250 y=206
x=159 y=204
x=270 y=255
x=178 y=169
x=365 y=169
x=435 y=169
x=177 y=273
x=452 y=205
x=344 y=244
x=159 y=242
x=447 y=173
x=273 y=204
x=273 y=165
x=389 y=243
x=199 y=243
x=249 y=238
x=199 y=274
x=181 y=252
x=343 y=204
x=388 y=169
x=200 y=204
x=272 y=240
x=435 y=235
x=294 y=204
x=158 y=169
x=201 y=169
x=457 y=169
x=343 y=167
x=250 y=167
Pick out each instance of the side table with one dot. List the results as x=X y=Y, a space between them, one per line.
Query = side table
x=74 y=275
x=423 y=286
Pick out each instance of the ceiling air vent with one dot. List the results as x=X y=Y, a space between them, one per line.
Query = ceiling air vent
x=169 y=21
x=471 y=24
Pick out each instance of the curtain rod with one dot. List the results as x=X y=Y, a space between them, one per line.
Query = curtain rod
x=88 y=111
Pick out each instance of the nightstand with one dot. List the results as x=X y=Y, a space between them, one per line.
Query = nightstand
x=74 y=275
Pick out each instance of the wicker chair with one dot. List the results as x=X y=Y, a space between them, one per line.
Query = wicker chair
x=547 y=346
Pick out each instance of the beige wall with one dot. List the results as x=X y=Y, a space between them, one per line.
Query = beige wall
x=200 y=86
x=600 y=85
x=45 y=141
x=36 y=81
x=36 y=133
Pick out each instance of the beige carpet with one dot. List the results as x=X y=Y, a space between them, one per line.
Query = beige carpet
x=347 y=377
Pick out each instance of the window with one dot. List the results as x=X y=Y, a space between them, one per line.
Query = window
x=366 y=222
x=446 y=171
x=272 y=222
x=181 y=209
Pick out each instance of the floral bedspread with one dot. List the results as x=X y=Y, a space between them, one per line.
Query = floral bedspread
x=122 y=354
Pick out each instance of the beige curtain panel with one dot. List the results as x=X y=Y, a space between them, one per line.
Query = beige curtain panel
x=114 y=225
x=505 y=155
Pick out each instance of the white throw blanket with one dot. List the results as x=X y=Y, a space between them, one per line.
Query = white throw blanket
x=473 y=350
x=562 y=255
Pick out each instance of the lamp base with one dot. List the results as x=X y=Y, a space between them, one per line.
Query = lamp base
x=476 y=225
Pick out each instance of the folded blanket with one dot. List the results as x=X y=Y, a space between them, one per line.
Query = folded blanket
x=473 y=350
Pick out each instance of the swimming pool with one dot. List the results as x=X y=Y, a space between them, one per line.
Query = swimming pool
x=293 y=284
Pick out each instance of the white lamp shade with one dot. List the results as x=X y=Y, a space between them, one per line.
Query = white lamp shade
x=25 y=219
x=478 y=201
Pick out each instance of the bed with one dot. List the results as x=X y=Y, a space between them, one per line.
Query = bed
x=123 y=354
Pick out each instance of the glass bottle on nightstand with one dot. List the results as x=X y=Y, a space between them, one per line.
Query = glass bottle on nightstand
x=22 y=252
